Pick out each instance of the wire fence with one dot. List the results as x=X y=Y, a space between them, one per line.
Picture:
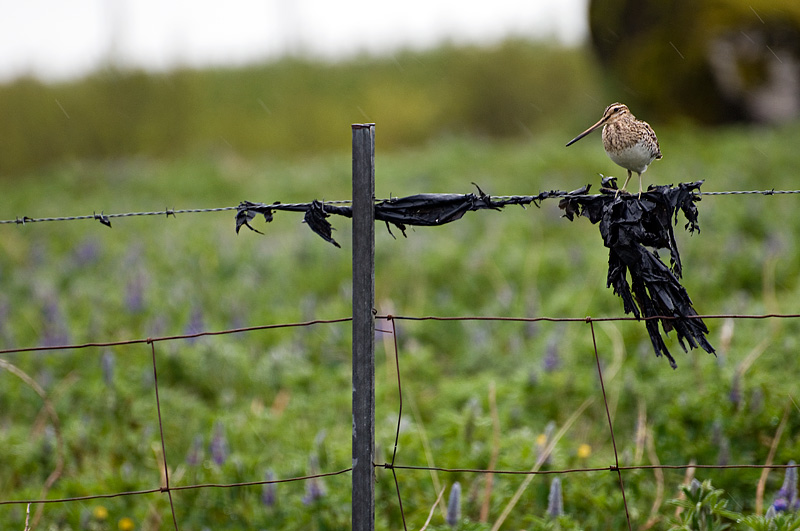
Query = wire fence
x=163 y=484
x=164 y=487
x=529 y=472
x=105 y=218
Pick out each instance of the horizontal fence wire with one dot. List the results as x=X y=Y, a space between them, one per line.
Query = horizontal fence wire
x=557 y=471
x=195 y=335
x=104 y=218
x=168 y=212
x=177 y=488
x=397 y=469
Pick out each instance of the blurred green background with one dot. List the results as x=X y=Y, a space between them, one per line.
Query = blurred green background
x=709 y=63
x=277 y=404
x=298 y=107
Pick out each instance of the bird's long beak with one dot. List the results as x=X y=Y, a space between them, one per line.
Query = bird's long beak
x=601 y=122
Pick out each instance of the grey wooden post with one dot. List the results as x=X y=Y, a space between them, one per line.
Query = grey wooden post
x=363 y=501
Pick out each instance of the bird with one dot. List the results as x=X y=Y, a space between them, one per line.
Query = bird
x=629 y=142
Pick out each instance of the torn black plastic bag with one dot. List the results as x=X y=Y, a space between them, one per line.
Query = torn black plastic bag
x=628 y=226
x=420 y=210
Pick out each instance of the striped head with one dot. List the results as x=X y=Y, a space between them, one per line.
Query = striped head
x=613 y=113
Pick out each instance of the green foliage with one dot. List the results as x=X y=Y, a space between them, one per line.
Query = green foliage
x=704 y=508
x=283 y=396
x=775 y=522
x=293 y=105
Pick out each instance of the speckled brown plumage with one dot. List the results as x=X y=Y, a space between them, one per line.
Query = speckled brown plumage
x=629 y=142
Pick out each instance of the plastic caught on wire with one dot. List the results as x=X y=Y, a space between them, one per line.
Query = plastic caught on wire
x=420 y=210
x=629 y=226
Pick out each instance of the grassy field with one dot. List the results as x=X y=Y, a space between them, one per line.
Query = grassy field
x=277 y=403
x=297 y=106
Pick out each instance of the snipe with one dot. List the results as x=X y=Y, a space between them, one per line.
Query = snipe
x=629 y=142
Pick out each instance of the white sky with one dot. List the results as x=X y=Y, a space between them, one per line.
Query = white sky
x=57 y=39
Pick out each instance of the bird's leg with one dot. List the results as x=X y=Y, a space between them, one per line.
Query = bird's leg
x=624 y=185
x=640 y=185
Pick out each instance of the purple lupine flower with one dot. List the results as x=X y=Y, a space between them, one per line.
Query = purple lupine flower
x=551 y=361
x=790 y=482
x=735 y=395
x=107 y=362
x=786 y=498
x=5 y=332
x=315 y=490
x=219 y=444
x=195 y=455
x=473 y=412
x=134 y=293
x=454 y=505
x=724 y=451
x=157 y=326
x=55 y=328
x=38 y=254
x=780 y=504
x=694 y=485
x=542 y=441
x=532 y=326
x=756 y=400
x=86 y=252
x=555 y=501
x=319 y=439
x=268 y=490
x=148 y=378
x=771 y=513
x=716 y=432
x=238 y=320
x=45 y=378
x=196 y=323
x=49 y=440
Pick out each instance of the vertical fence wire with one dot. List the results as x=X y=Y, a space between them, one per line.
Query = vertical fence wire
x=399 y=419
x=161 y=435
x=610 y=424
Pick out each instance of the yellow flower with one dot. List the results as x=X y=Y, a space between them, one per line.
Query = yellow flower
x=100 y=512
x=126 y=524
x=584 y=451
x=541 y=440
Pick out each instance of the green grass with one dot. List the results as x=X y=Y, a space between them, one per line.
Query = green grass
x=295 y=106
x=284 y=395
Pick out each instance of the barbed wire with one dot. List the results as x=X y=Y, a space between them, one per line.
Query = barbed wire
x=102 y=217
x=752 y=192
x=105 y=218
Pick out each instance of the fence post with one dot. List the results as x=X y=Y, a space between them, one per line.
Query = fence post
x=363 y=502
